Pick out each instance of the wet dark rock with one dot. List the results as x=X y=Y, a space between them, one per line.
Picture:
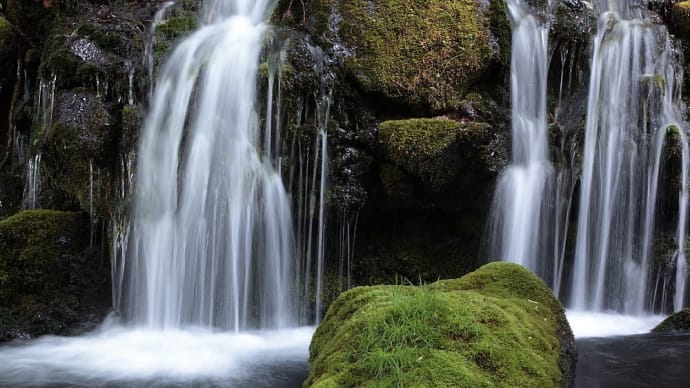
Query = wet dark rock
x=11 y=190
x=50 y=283
x=679 y=321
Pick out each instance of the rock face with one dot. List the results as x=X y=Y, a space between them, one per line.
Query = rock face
x=679 y=321
x=680 y=19
x=50 y=282
x=498 y=326
x=424 y=54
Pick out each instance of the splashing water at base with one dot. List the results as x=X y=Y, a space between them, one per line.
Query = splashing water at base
x=605 y=324
x=125 y=356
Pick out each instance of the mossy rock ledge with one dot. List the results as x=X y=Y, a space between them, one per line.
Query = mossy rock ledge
x=425 y=54
x=680 y=20
x=50 y=281
x=499 y=326
x=679 y=321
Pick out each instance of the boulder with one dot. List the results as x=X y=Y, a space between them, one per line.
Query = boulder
x=424 y=54
x=680 y=20
x=679 y=321
x=499 y=326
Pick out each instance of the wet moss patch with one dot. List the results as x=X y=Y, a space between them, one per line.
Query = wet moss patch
x=423 y=53
x=422 y=147
x=50 y=281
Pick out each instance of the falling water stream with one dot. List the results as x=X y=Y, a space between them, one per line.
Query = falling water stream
x=212 y=225
x=633 y=99
x=633 y=104
x=519 y=207
x=205 y=287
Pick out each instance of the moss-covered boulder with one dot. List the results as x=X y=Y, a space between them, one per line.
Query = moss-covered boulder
x=49 y=281
x=83 y=138
x=437 y=153
x=181 y=20
x=422 y=147
x=425 y=54
x=8 y=53
x=499 y=326
x=680 y=20
x=679 y=321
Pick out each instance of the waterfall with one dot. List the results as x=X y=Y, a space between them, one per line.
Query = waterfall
x=634 y=94
x=150 y=45
x=634 y=102
x=518 y=220
x=212 y=243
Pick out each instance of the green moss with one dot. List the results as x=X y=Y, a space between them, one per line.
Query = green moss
x=176 y=27
x=679 y=321
x=426 y=53
x=107 y=40
x=169 y=30
x=680 y=20
x=67 y=146
x=422 y=147
x=68 y=69
x=465 y=333
x=8 y=53
x=132 y=119
x=49 y=281
x=6 y=31
x=33 y=246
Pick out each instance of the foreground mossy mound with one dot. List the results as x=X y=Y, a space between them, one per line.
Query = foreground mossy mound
x=499 y=326
x=679 y=321
x=50 y=281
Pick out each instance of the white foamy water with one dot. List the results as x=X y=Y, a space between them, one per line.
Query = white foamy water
x=596 y=324
x=137 y=356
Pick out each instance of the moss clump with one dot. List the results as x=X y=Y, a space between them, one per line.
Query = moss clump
x=8 y=53
x=679 y=321
x=49 y=280
x=132 y=119
x=7 y=35
x=34 y=249
x=680 y=20
x=497 y=327
x=169 y=30
x=425 y=53
x=422 y=147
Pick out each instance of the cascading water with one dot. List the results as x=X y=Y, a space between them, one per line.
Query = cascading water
x=634 y=102
x=518 y=230
x=213 y=242
x=209 y=254
x=633 y=98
